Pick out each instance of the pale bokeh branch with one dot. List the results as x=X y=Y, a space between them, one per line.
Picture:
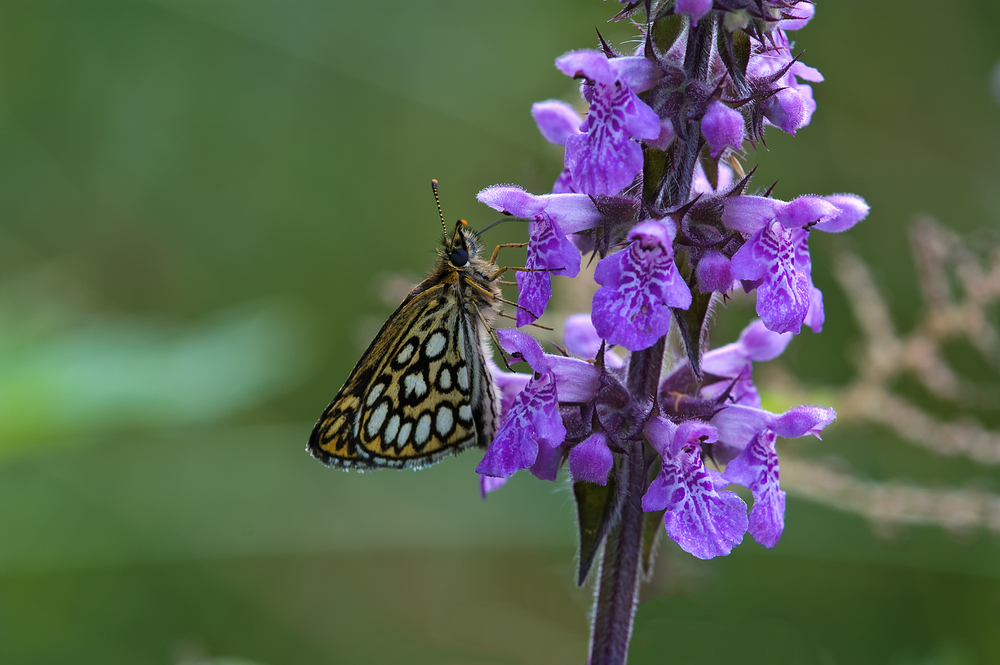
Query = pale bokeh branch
x=890 y=503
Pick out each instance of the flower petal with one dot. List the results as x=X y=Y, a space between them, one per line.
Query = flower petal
x=591 y=460
x=852 y=209
x=556 y=120
x=586 y=62
x=576 y=380
x=757 y=469
x=488 y=484
x=748 y=214
x=722 y=127
x=515 y=341
x=639 y=285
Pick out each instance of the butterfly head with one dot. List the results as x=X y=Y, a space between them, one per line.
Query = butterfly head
x=463 y=246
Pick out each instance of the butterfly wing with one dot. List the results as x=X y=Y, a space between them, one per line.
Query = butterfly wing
x=421 y=391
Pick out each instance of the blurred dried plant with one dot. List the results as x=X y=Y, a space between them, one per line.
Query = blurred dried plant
x=960 y=286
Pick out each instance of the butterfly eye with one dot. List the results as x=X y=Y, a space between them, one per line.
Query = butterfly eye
x=459 y=257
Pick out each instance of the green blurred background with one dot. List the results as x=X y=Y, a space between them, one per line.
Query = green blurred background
x=206 y=207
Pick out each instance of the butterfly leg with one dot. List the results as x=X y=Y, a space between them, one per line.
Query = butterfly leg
x=493 y=259
x=496 y=340
x=504 y=300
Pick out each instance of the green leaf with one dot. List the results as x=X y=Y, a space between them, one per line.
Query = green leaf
x=654 y=167
x=595 y=509
x=652 y=527
x=666 y=30
x=734 y=49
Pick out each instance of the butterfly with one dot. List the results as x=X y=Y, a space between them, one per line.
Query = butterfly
x=422 y=389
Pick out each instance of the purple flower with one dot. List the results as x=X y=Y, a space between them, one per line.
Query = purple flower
x=799 y=15
x=532 y=428
x=735 y=361
x=581 y=339
x=792 y=105
x=552 y=217
x=557 y=121
x=533 y=418
x=777 y=254
x=780 y=258
x=591 y=460
x=703 y=519
x=722 y=127
x=639 y=285
x=746 y=441
x=713 y=272
x=604 y=159
x=666 y=137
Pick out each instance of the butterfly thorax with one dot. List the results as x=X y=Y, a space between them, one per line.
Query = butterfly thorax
x=422 y=389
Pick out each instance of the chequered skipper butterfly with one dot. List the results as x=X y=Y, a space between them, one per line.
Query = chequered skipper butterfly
x=422 y=390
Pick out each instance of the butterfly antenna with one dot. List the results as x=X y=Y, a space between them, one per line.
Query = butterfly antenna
x=437 y=199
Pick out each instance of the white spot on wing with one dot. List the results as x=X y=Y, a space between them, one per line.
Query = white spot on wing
x=463 y=378
x=391 y=428
x=404 y=434
x=415 y=384
x=465 y=412
x=435 y=345
x=374 y=394
x=444 y=379
x=404 y=354
x=444 y=420
x=376 y=419
x=423 y=430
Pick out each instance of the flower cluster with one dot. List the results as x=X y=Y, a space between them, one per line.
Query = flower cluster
x=653 y=187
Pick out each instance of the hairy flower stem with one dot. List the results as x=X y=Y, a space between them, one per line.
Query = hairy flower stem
x=683 y=157
x=617 y=596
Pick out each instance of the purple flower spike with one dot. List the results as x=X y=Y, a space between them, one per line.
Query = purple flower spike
x=533 y=419
x=722 y=127
x=757 y=469
x=591 y=460
x=703 y=519
x=552 y=217
x=639 y=285
x=605 y=159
